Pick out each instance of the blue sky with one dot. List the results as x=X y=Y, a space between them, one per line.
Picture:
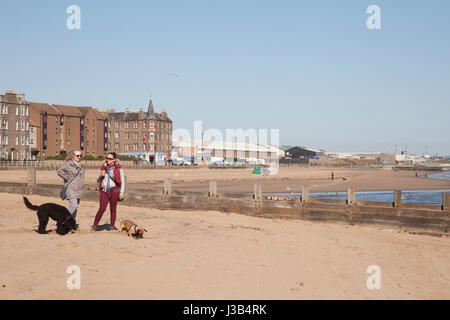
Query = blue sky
x=311 y=69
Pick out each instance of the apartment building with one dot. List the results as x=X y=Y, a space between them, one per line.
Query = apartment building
x=145 y=134
x=36 y=130
x=14 y=127
x=57 y=129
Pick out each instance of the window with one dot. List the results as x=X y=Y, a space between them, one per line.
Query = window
x=135 y=125
x=152 y=135
x=26 y=110
x=17 y=125
x=116 y=146
x=135 y=146
x=152 y=124
x=27 y=127
x=144 y=124
x=22 y=140
x=145 y=147
x=22 y=125
x=17 y=140
x=127 y=135
x=17 y=111
x=23 y=110
x=152 y=147
x=116 y=135
x=127 y=125
x=127 y=147
x=116 y=124
x=68 y=132
x=135 y=136
x=4 y=124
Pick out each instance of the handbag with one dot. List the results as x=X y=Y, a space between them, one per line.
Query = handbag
x=63 y=191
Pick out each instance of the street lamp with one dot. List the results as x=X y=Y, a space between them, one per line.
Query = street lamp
x=202 y=146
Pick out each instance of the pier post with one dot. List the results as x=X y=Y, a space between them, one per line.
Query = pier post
x=446 y=201
x=305 y=194
x=351 y=196
x=212 y=189
x=31 y=176
x=257 y=193
x=397 y=198
x=167 y=189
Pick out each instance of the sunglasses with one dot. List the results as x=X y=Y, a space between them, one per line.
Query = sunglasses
x=77 y=155
x=109 y=158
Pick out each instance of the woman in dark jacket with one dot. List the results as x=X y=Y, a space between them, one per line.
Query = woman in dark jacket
x=112 y=187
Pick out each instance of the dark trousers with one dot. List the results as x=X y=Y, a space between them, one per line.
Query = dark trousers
x=106 y=198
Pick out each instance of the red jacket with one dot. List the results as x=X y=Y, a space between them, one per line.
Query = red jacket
x=116 y=176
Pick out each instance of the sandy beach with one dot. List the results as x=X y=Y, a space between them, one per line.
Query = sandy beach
x=288 y=179
x=213 y=255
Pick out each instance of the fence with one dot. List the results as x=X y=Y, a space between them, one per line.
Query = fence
x=53 y=164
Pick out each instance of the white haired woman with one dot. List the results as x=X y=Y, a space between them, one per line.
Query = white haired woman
x=72 y=172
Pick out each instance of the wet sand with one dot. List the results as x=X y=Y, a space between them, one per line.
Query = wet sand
x=288 y=179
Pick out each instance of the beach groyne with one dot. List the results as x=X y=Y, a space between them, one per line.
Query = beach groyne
x=396 y=214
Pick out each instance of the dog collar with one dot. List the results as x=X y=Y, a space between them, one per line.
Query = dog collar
x=67 y=219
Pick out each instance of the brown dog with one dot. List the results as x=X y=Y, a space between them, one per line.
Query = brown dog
x=132 y=229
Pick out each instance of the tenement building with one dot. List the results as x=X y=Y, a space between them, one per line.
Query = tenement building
x=36 y=130
x=144 y=134
x=14 y=127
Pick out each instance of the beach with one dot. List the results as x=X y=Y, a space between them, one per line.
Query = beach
x=288 y=179
x=213 y=255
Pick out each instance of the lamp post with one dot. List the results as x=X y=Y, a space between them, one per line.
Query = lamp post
x=202 y=146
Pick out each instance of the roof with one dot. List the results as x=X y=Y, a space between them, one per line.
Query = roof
x=226 y=145
x=33 y=123
x=72 y=111
x=44 y=108
x=134 y=116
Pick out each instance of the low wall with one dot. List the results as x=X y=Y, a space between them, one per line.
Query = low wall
x=411 y=216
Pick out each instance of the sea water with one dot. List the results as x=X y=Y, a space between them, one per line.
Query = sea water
x=408 y=196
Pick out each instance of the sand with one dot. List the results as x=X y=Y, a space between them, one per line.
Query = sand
x=212 y=255
x=288 y=179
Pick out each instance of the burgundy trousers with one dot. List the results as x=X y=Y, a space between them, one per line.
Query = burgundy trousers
x=112 y=199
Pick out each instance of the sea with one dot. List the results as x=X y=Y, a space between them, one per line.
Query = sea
x=408 y=196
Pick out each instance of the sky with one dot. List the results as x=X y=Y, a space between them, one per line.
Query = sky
x=311 y=69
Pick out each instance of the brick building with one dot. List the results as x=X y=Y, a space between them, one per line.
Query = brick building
x=36 y=130
x=144 y=134
x=57 y=129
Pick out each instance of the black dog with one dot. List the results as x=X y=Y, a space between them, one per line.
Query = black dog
x=64 y=220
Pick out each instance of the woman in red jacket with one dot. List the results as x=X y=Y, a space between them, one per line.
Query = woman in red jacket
x=111 y=186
